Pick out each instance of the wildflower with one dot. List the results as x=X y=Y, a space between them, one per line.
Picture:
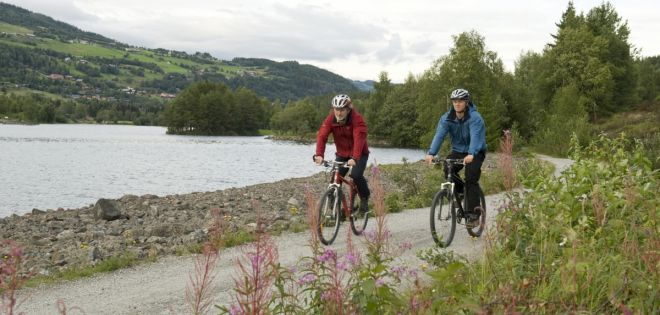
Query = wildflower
x=293 y=210
x=327 y=255
x=375 y=170
x=399 y=270
x=256 y=260
x=379 y=282
x=341 y=266
x=405 y=246
x=370 y=235
x=235 y=310
x=563 y=241
x=326 y=295
x=351 y=258
x=307 y=278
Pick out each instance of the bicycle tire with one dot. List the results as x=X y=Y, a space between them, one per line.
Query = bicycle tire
x=358 y=219
x=328 y=215
x=443 y=219
x=476 y=230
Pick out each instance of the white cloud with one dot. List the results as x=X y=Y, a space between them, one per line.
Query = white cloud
x=356 y=39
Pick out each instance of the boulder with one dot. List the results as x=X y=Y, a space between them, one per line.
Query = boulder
x=107 y=209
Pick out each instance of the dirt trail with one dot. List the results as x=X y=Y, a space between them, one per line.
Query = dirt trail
x=159 y=288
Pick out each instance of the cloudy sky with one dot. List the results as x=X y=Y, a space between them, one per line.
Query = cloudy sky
x=356 y=39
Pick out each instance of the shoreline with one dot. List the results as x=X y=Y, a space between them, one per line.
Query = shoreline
x=151 y=226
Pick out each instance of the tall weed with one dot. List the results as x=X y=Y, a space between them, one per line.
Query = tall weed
x=584 y=242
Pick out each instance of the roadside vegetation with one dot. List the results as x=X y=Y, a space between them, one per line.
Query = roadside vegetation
x=583 y=243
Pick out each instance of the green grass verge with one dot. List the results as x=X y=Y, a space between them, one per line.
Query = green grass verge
x=10 y=28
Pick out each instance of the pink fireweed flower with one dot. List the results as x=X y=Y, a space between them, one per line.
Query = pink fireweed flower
x=399 y=270
x=307 y=278
x=370 y=235
x=351 y=259
x=327 y=255
x=405 y=246
x=375 y=170
x=235 y=310
x=326 y=295
x=379 y=282
x=341 y=266
x=256 y=260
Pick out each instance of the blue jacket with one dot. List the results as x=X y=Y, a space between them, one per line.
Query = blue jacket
x=468 y=135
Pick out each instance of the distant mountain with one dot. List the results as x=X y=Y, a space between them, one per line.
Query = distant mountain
x=44 y=26
x=40 y=53
x=364 y=86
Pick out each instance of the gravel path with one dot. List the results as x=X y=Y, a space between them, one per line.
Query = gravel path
x=159 y=288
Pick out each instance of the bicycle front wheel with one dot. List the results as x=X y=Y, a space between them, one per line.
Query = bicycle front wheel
x=358 y=218
x=443 y=219
x=328 y=215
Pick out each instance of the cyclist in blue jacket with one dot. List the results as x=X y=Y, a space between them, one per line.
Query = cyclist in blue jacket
x=468 y=142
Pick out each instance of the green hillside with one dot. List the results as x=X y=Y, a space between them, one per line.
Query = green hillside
x=41 y=54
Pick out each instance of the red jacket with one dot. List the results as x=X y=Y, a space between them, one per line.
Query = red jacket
x=350 y=138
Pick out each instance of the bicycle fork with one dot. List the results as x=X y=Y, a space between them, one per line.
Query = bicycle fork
x=449 y=188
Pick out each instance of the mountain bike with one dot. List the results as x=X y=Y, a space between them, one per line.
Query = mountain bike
x=334 y=205
x=447 y=208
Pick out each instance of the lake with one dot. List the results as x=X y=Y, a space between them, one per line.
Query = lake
x=70 y=166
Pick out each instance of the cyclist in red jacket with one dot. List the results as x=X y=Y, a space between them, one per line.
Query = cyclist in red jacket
x=350 y=134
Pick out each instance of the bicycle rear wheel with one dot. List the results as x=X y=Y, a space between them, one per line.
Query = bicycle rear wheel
x=328 y=215
x=476 y=229
x=443 y=219
x=358 y=218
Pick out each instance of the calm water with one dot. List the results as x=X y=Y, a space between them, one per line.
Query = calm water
x=69 y=166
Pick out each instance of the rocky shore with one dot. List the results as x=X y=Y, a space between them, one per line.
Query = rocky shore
x=151 y=226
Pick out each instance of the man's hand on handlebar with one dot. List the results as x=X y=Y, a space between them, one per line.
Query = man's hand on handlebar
x=428 y=159
x=350 y=163
x=318 y=159
x=468 y=159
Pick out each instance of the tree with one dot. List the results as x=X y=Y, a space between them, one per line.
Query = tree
x=375 y=103
x=399 y=115
x=567 y=115
x=592 y=53
x=211 y=109
x=298 y=118
x=471 y=66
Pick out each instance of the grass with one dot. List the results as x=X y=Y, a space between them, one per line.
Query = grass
x=10 y=28
x=641 y=124
x=417 y=183
x=21 y=91
x=123 y=260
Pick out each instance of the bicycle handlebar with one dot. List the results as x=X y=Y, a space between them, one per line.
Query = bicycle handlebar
x=438 y=160
x=335 y=163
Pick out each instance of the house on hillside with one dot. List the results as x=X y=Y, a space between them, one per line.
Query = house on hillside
x=167 y=95
x=128 y=90
x=56 y=76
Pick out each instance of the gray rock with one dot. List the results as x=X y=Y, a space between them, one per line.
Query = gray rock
x=294 y=202
x=66 y=235
x=107 y=209
x=94 y=254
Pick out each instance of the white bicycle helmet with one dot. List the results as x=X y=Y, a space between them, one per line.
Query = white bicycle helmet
x=460 y=94
x=341 y=101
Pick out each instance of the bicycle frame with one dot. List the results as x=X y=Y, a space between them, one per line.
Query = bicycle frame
x=338 y=180
x=450 y=184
